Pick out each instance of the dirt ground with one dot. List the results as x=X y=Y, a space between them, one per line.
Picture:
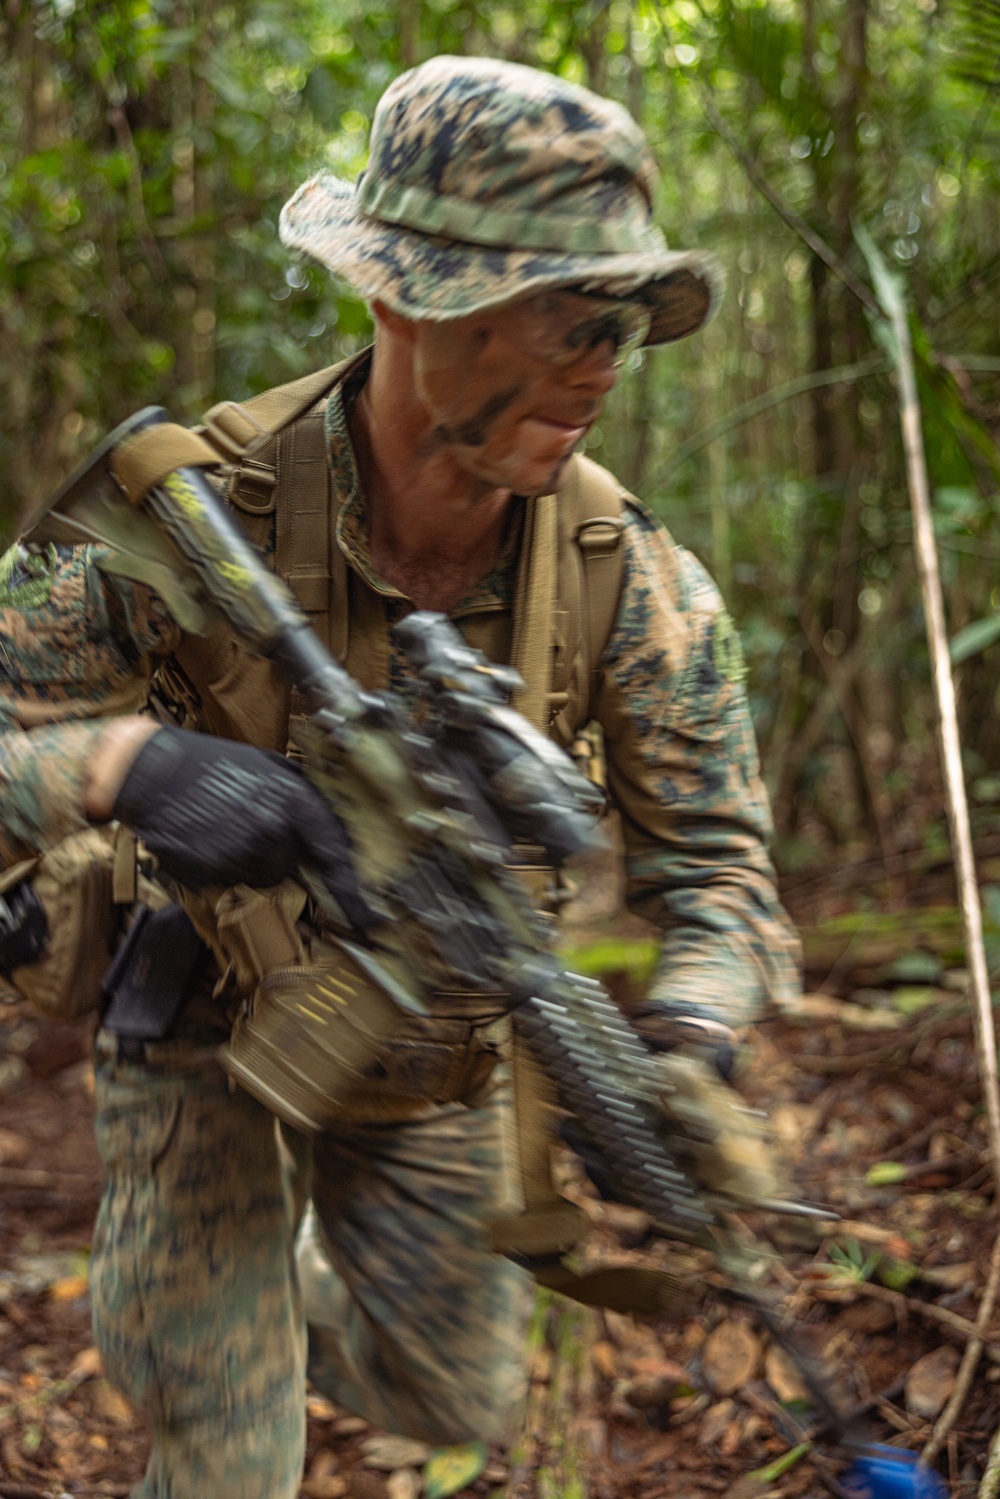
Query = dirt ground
x=685 y=1408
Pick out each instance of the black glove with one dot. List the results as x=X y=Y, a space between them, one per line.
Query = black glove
x=215 y=812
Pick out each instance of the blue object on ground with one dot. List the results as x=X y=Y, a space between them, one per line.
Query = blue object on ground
x=880 y=1472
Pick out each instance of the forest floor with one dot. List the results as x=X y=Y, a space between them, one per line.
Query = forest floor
x=878 y=1068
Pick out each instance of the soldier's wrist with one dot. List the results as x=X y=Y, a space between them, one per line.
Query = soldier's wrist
x=664 y=1027
x=695 y=1020
x=113 y=756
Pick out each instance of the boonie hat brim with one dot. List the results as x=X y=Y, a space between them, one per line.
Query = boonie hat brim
x=426 y=276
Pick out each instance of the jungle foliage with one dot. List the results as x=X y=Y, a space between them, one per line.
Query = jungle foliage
x=146 y=147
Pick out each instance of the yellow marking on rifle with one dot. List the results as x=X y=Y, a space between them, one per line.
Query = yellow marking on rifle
x=344 y=985
x=311 y=1014
x=233 y=573
x=338 y=999
x=185 y=494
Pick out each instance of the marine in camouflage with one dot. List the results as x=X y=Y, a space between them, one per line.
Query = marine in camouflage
x=488 y=181
x=415 y=1324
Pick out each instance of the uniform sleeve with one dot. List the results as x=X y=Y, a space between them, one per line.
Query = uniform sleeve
x=683 y=771
x=77 y=647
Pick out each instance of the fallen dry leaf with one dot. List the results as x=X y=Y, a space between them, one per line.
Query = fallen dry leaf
x=782 y=1375
x=69 y=1288
x=13 y=1148
x=324 y=1464
x=869 y=1316
x=334 y=1487
x=654 y=1382
x=389 y=1452
x=730 y=1357
x=603 y=1355
x=731 y=1439
x=820 y=1007
x=350 y=1426
x=931 y=1381
x=714 y=1422
x=86 y=1365
x=748 y=1486
x=323 y=1480
x=111 y=1403
x=403 y=1484
x=795 y=1123
x=320 y=1408
x=951 y=1277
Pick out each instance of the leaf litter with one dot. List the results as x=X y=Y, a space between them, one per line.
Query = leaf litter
x=706 y=1405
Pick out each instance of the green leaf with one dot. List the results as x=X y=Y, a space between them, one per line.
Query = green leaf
x=782 y=1464
x=973 y=639
x=452 y=1468
x=885 y=1174
x=910 y=999
x=916 y=967
x=897 y=1274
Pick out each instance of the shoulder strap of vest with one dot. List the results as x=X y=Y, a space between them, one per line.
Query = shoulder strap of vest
x=568 y=585
x=276 y=445
x=597 y=521
x=590 y=563
x=235 y=430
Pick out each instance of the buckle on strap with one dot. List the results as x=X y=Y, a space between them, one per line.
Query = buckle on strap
x=232 y=429
x=252 y=487
x=600 y=535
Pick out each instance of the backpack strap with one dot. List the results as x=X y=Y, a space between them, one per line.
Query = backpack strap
x=534 y=610
x=568 y=586
x=280 y=482
x=236 y=430
x=591 y=562
x=598 y=524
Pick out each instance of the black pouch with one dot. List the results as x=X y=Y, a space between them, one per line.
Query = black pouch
x=152 y=974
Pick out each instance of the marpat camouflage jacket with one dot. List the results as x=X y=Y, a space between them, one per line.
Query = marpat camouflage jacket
x=78 y=644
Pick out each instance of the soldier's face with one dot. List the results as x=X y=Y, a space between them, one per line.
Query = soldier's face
x=509 y=393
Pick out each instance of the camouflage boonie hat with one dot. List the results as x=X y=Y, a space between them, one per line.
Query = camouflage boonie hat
x=489 y=181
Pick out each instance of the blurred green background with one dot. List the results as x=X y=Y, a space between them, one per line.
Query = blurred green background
x=146 y=149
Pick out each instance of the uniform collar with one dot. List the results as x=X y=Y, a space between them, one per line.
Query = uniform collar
x=494 y=591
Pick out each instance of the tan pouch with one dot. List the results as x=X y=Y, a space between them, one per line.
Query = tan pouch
x=75 y=882
x=328 y=1036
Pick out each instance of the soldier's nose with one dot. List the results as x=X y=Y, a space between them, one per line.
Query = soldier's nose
x=595 y=370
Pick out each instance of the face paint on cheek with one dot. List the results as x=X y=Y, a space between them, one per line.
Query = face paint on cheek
x=474 y=431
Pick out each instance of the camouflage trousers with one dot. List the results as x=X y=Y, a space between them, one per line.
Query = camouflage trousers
x=202 y=1266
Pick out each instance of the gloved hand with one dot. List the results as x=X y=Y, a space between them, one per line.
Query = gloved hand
x=215 y=812
x=726 y=1143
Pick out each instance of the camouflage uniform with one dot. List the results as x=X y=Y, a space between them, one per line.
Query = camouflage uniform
x=196 y=1287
